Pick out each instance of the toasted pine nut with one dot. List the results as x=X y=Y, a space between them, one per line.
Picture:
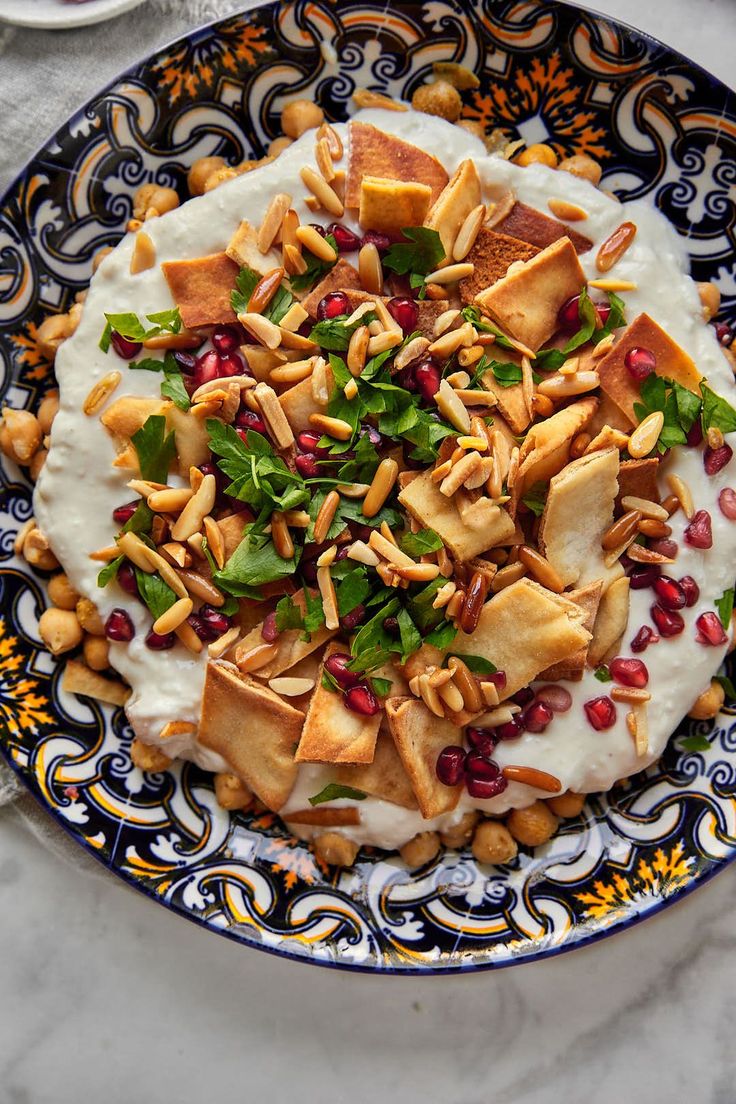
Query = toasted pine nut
x=369 y=267
x=322 y=191
x=476 y=398
x=176 y=553
x=170 y=501
x=316 y=244
x=326 y=516
x=192 y=517
x=293 y=372
x=272 y=221
x=466 y=684
x=188 y=637
x=136 y=551
x=530 y=776
x=568 y=212
x=173 y=616
x=450 y=274
x=294 y=263
x=652 y=528
x=185 y=339
x=430 y=696
x=454 y=607
x=683 y=494
x=615 y=246
x=201 y=587
x=254 y=658
x=460 y=472
x=451 y=696
x=621 y=530
x=613 y=285
x=358 y=350
x=541 y=569
x=281 y=536
x=265 y=290
x=417 y=573
x=561 y=387
x=389 y=551
x=645 y=507
x=381 y=487
x=100 y=392
x=578 y=445
x=646 y=435
x=329 y=598
x=333 y=427
x=468 y=232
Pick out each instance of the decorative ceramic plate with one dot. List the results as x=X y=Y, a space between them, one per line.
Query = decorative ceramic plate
x=660 y=127
x=61 y=15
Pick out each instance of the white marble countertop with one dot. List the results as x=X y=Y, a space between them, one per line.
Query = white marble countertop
x=104 y=996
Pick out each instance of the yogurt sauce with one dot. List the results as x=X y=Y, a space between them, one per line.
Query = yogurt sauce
x=79 y=488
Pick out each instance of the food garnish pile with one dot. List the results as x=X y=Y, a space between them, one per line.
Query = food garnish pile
x=406 y=467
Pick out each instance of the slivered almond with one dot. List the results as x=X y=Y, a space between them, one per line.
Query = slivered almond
x=468 y=232
x=273 y=414
x=176 y=553
x=329 y=597
x=452 y=340
x=294 y=372
x=465 y=467
x=252 y=659
x=416 y=573
x=167 y=573
x=563 y=387
x=452 y=408
x=382 y=342
x=323 y=157
x=262 y=329
x=682 y=493
x=290 y=686
x=293 y=318
x=388 y=551
x=272 y=220
x=612 y=285
x=136 y=551
x=430 y=696
x=294 y=263
x=361 y=553
x=364 y=97
x=223 y=643
x=333 y=139
x=143 y=256
x=630 y=694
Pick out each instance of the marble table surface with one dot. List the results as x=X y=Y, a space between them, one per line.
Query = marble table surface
x=104 y=996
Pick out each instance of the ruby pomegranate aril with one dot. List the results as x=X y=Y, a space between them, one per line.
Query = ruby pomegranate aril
x=694 y=434
x=226 y=339
x=207 y=368
x=643 y=577
x=478 y=765
x=510 y=730
x=640 y=363
x=308 y=569
x=629 y=672
x=125 y=348
x=537 y=716
x=405 y=312
x=643 y=639
x=498 y=678
x=601 y=712
x=690 y=589
x=482 y=740
x=185 y=362
x=308 y=442
x=556 y=697
x=381 y=241
x=126 y=578
x=715 y=459
x=670 y=593
x=361 y=699
x=217 y=621
x=485 y=788
x=336 y=666
x=450 y=766
x=699 y=534
x=724 y=333
x=160 y=643
x=347 y=241
x=391 y=626
x=568 y=317
x=269 y=632
x=663 y=546
x=119 y=626
x=727 y=503
x=122 y=514
x=205 y=633
x=350 y=621
x=332 y=305
x=248 y=419
x=523 y=697
x=668 y=622
x=710 y=630
x=427 y=378
x=306 y=464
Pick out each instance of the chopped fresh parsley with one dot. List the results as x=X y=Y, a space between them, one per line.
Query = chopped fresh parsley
x=141 y=520
x=536 y=499
x=441 y=636
x=603 y=674
x=129 y=325
x=409 y=635
x=694 y=743
x=254 y=563
x=350 y=509
x=420 y=254
x=173 y=385
x=421 y=543
x=724 y=605
x=157 y=594
x=288 y=614
x=155 y=450
x=333 y=791
x=717 y=413
x=506 y=374
x=484 y=325
x=352 y=589
x=728 y=686
x=333 y=334
x=109 y=571
x=259 y=477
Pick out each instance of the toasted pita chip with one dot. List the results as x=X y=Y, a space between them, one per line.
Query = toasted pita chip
x=298 y=402
x=638 y=479
x=332 y=733
x=291 y=648
x=201 y=288
x=546 y=447
x=524 y=630
x=608 y=437
x=390 y=205
x=483 y=526
x=78 y=678
x=611 y=620
x=457 y=200
x=532 y=226
x=191 y=437
x=243 y=249
x=526 y=303
x=341 y=277
x=578 y=510
x=373 y=152
x=254 y=730
x=492 y=254
x=324 y=818
x=419 y=738
x=510 y=400
x=428 y=310
x=588 y=599
x=232 y=528
x=127 y=415
x=671 y=361
x=384 y=778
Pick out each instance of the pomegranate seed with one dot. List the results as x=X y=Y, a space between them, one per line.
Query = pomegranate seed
x=320 y=229
x=391 y=626
x=694 y=435
x=347 y=241
x=309 y=571
x=123 y=514
x=664 y=547
x=201 y=628
x=382 y=242
x=405 y=312
x=498 y=678
x=727 y=503
x=698 y=533
x=450 y=766
x=232 y=365
x=123 y=347
x=226 y=339
x=690 y=589
x=306 y=465
x=248 y=419
x=158 y=643
x=523 y=697
x=601 y=712
x=568 y=317
x=485 y=788
x=337 y=667
x=670 y=593
x=710 y=630
x=427 y=376
x=207 y=368
x=119 y=626
x=356 y=616
x=186 y=362
x=269 y=632
x=640 y=363
x=482 y=740
x=643 y=639
x=715 y=459
x=308 y=442
x=480 y=766
x=372 y=434
x=510 y=730
x=218 y=622
x=556 y=697
x=537 y=716
x=126 y=578
x=669 y=622
x=361 y=699
x=724 y=333
x=603 y=310
x=629 y=672
x=333 y=305
x=643 y=577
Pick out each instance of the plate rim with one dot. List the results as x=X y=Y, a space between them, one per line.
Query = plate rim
x=68 y=19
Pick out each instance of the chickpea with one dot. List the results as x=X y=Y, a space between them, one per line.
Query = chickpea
x=47 y=411
x=493 y=843
x=420 y=850
x=567 y=805
x=75 y=317
x=152 y=199
x=200 y=171
x=279 y=145
x=231 y=792
x=148 y=758
x=473 y=127
x=459 y=835
x=21 y=435
x=50 y=334
x=60 y=630
x=100 y=256
x=335 y=849
x=438 y=98
x=96 y=652
x=37 y=463
x=89 y=617
x=708 y=705
x=300 y=115
x=37 y=551
x=61 y=592
x=583 y=166
x=710 y=297
x=220 y=176
x=533 y=825
x=537 y=154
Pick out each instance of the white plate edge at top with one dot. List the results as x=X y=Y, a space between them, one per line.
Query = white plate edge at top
x=55 y=15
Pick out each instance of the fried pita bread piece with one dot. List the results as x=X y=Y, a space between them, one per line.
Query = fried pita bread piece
x=243 y=249
x=546 y=447
x=457 y=200
x=428 y=310
x=526 y=302
x=341 y=277
x=384 y=778
x=290 y=647
x=588 y=599
x=611 y=621
x=671 y=361
x=345 y=817
x=373 y=152
x=126 y=415
x=419 y=738
x=492 y=254
x=254 y=730
x=201 y=289
x=607 y=414
x=332 y=733
x=607 y=437
x=481 y=526
x=390 y=205
x=299 y=401
x=578 y=510
x=509 y=400
x=232 y=528
x=191 y=437
x=638 y=479
x=532 y=226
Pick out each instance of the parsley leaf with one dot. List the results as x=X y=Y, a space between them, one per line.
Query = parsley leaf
x=109 y=571
x=728 y=686
x=155 y=450
x=352 y=589
x=506 y=374
x=442 y=636
x=372 y=645
x=382 y=686
x=315 y=270
x=424 y=615
x=141 y=520
x=362 y=467
x=724 y=605
x=334 y=335
x=409 y=635
x=173 y=388
x=694 y=743
x=288 y=614
x=588 y=319
x=603 y=674
x=616 y=318
x=253 y=563
x=716 y=412
x=245 y=284
x=350 y=509
x=259 y=477
x=536 y=499
x=314 y=615
x=479 y=665
x=421 y=253
x=157 y=594
x=421 y=543
x=484 y=325
x=333 y=791
x=129 y=325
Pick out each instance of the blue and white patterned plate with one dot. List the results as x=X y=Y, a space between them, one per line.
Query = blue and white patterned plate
x=660 y=127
